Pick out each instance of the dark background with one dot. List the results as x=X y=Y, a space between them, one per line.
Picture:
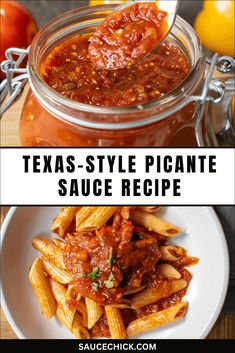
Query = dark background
x=45 y=10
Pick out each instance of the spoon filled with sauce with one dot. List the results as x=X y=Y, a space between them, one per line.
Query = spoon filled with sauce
x=132 y=32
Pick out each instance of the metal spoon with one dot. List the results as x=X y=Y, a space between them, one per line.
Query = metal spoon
x=169 y=6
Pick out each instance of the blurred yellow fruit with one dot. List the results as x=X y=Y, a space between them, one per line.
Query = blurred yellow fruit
x=215 y=26
x=101 y=2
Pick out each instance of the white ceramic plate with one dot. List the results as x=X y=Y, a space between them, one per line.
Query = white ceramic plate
x=203 y=238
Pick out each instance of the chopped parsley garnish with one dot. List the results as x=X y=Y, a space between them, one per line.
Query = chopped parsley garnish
x=95 y=286
x=102 y=243
x=113 y=261
x=83 y=274
x=94 y=274
x=109 y=282
x=110 y=256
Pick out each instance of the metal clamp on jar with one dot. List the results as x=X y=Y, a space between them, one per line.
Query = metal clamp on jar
x=201 y=102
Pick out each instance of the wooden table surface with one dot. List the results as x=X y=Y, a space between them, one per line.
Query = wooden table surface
x=224 y=327
x=10 y=123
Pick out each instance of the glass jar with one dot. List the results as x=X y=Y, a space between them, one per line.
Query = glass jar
x=50 y=119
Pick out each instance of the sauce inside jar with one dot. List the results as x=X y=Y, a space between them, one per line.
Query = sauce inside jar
x=69 y=70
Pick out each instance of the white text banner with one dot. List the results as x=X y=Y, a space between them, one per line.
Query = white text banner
x=117 y=176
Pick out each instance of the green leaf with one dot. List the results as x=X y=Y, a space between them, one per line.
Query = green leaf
x=111 y=276
x=109 y=282
x=95 y=286
x=94 y=274
x=110 y=256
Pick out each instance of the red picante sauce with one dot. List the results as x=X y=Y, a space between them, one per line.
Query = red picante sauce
x=69 y=70
x=127 y=35
x=106 y=263
x=117 y=258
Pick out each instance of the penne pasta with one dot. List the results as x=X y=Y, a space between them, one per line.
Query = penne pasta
x=62 y=318
x=94 y=312
x=62 y=221
x=121 y=306
x=59 y=292
x=49 y=250
x=168 y=253
x=149 y=209
x=70 y=293
x=125 y=212
x=152 y=295
x=115 y=322
x=42 y=289
x=59 y=243
x=98 y=218
x=162 y=318
x=134 y=290
x=82 y=214
x=56 y=273
x=168 y=271
x=155 y=224
x=81 y=308
x=78 y=329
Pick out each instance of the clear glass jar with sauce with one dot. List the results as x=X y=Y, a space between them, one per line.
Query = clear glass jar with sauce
x=50 y=119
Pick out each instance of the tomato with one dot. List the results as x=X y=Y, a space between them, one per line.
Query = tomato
x=215 y=26
x=18 y=27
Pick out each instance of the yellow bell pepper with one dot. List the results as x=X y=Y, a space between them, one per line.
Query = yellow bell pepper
x=101 y=2
x=215 y=26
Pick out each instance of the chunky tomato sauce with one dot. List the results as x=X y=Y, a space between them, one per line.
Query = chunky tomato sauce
x=69 y=70
x=127 y=35
x=110 y=264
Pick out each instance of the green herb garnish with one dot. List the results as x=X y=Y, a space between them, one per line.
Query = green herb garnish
x=102 y=243
x=109 y=282
x=110 y=256
x=95 y=286
x=113 y=261
x=94 y=274
x=83 y=274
